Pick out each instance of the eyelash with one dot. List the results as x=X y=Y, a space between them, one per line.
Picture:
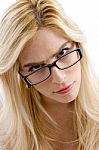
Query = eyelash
x=39 y=66
x=33 y=67
x=63 y=50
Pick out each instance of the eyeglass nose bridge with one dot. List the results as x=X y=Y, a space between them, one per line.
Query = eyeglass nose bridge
x=53 y=65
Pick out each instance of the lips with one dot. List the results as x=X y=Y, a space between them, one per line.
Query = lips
x=65 y=89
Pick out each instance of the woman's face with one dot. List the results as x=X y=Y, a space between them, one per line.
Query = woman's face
x=46 y=46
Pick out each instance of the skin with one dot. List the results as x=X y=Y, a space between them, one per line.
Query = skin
x=44 y=44
x=41 y=47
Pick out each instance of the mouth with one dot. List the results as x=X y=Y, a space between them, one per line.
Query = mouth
x=65 y=89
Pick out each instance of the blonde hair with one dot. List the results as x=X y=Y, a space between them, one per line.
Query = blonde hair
x=20 y=119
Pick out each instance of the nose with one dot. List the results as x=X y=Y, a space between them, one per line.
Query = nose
x=57 y=75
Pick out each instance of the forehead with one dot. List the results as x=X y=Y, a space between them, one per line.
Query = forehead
x=41 y=47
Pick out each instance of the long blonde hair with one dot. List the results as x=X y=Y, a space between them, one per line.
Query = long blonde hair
x=20 y=119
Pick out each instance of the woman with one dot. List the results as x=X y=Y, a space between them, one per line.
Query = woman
x=51 y=97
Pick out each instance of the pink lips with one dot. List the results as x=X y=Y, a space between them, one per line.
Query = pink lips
x=65 y=89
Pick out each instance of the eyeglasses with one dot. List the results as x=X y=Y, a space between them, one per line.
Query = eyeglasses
x=65 y=59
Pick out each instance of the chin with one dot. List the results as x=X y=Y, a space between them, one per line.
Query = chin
x=66 y=98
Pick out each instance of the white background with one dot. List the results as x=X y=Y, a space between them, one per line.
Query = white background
x=86 y=14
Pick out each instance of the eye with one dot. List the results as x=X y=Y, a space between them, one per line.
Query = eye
x=63 y=52
x=34 y=68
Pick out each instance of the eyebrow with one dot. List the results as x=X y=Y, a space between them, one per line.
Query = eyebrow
x=42 y=62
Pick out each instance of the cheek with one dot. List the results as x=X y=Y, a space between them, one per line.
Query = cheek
x=75 y=72
x=78 y=72
x=42 y=87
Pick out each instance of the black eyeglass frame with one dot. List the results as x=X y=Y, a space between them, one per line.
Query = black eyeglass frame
x=28 y=84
